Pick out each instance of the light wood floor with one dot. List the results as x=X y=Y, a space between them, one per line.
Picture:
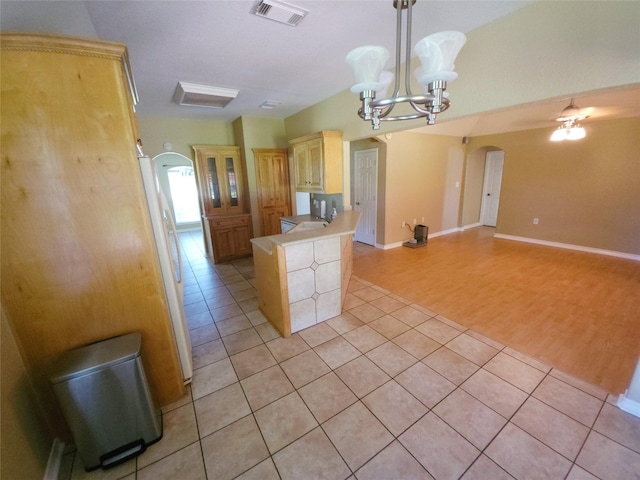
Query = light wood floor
x=576 y=311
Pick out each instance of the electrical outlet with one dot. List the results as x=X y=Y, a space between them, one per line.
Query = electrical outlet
x=536 y=220
x=422 y=221
x=403 y=223
x=414 y=221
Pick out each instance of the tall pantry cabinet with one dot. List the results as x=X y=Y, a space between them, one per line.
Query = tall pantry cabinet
x=78 y=257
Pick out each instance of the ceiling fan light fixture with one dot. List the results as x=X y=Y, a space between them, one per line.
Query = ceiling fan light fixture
x=570 y=129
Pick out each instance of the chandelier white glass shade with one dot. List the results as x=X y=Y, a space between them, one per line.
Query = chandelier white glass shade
x=570 y=128
x=437 y=52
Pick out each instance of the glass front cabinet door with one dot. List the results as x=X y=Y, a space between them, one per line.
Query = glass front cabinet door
x=220 y=176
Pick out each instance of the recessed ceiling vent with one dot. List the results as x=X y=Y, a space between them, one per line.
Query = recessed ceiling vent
x=279 y=11
x=194 y=95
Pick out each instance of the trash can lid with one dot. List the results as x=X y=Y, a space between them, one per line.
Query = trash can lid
x=96 y=356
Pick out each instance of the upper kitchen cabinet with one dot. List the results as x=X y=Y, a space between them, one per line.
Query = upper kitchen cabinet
x=79 y=262
x=318 y=162
x=220 y=179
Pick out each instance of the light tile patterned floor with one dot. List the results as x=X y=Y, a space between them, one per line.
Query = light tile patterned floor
x=387 y=390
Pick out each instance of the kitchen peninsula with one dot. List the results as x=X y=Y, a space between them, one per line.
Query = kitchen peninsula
x=302 y=275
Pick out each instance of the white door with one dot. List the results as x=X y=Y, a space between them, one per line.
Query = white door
x=365 y=190
x=494 y=164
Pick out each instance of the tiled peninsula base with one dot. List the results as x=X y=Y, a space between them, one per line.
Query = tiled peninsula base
x=302 y=277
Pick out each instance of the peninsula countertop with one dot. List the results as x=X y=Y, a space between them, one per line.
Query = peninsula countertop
x=344 y=224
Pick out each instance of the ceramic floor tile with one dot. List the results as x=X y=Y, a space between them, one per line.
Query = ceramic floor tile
x=351 y=301
x=256 y=317
x=186 y=464
x=394 y=462
x=362 y=376
x=416 y=344
x=439 y=448
x=284 y=421
x=327 y=396
x=524 y=457
x=411 y=316
x=515 y=372
x=357 y=435
x=484 y=469
x=471 y=418
x=389 y=326
x=586 y=387
x=225 y=312
x=265 y=470
x=240 y=341
x=266 y=386
x=233 y=325
x=202 y=335
x=388 y=304
x=578 y=473
x=487 y=340
x=344 y=323
x=495 y=393
x=178 y=430
x=212 y=377
x=551 y=427
x=317 y=334
x=471 y=349
x=304 y=368
x=451 y=323
x=199 y=319
x=252 y=361
x=450 y=365
x=368 y=294
x=208 y=353
x=364 y=338
x=366 y=312
x=391 y=358
x=425 y=384
x=356 y=284
x=312 y=456
x=124 y=471
x=266 y=331
x=569 y=400
x=221 y=408
x=439 y=331
x=396 y=408
x=234 y=449
x=619 y=426
x=532 y=362
x=337 y=352
x=284 y=348
x=185 y=399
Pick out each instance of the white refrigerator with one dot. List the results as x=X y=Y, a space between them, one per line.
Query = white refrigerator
x=170 y=259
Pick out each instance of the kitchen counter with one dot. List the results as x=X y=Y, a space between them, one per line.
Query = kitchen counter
x=302 y=276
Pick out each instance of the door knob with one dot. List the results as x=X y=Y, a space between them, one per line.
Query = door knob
x=357 y=203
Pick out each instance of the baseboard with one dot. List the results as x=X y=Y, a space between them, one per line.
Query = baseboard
x=568 y=246
x=628 y=405
x=471 y=225
x=55 y=460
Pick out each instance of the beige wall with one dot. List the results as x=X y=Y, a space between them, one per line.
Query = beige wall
x=25 y=439
x=251 y=132
x=545 y=50
x=182 y=133
x=584 y=193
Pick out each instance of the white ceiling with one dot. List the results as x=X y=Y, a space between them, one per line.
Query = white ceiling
x=221 y=43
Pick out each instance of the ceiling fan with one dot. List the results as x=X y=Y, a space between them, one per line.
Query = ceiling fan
x=570 y=129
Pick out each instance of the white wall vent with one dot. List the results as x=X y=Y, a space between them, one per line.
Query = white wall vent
x=279 y=11
x=203 y=95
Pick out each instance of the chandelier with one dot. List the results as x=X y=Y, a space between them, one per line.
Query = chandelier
x=437 y=53
x=570 y=128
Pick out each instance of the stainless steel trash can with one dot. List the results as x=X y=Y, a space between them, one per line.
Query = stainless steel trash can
x=106 y=401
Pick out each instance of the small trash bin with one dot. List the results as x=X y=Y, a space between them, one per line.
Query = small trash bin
x=106 y=401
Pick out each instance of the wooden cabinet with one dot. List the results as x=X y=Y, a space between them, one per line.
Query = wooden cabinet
x=221 y=188
x=318 y=162
x=79 y=261
x=230 y=236
x=272 y=178
x=220 y=179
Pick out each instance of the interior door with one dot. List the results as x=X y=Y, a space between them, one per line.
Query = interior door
x=494 y=164
x=365 y=190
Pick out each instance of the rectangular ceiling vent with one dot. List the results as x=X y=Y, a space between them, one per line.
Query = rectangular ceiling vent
x=194 y=95
x=279 y=11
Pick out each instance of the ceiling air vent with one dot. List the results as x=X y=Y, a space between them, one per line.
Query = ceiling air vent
x=203 y=96
x=279 y=11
